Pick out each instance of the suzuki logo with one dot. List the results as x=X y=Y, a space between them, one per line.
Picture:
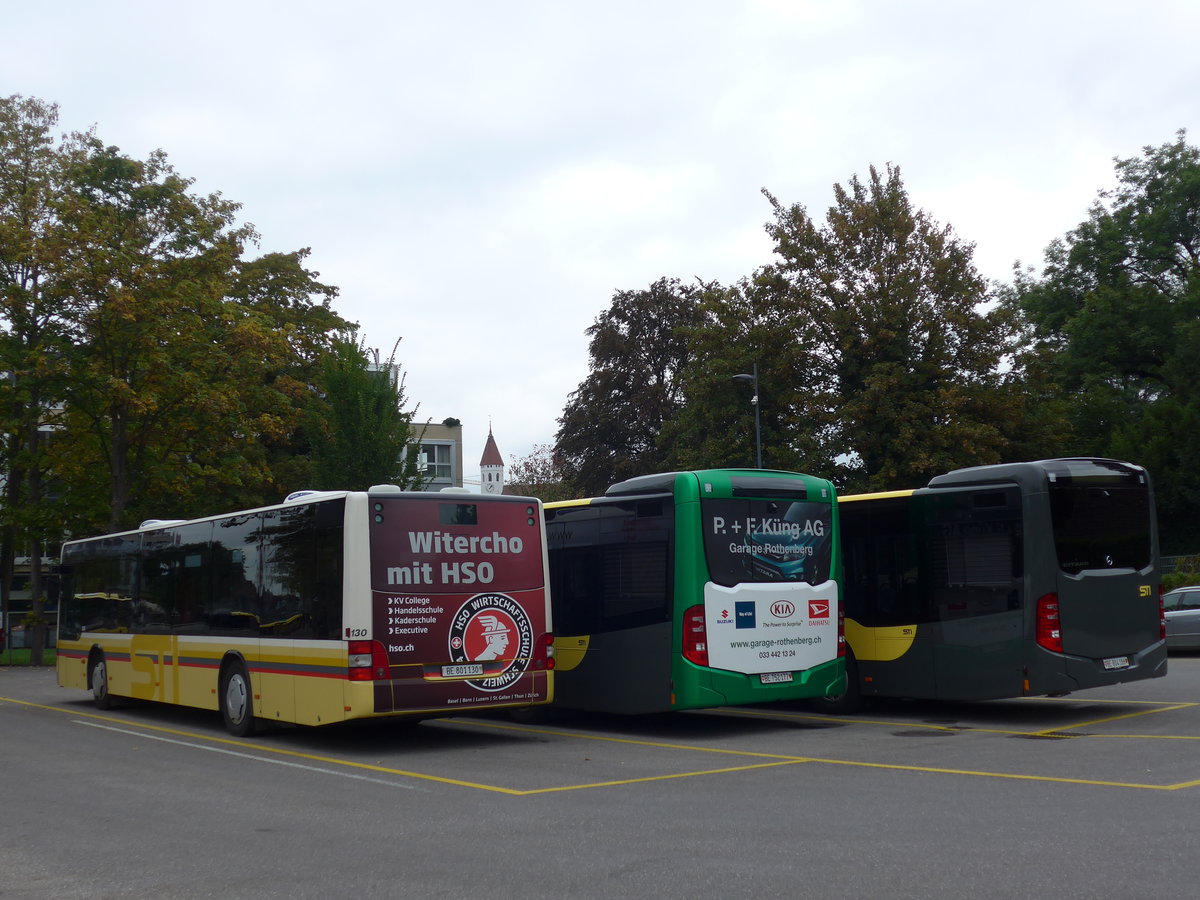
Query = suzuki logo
x=783 y=609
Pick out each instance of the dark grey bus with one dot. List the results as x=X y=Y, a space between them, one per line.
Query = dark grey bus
x=1022 y=579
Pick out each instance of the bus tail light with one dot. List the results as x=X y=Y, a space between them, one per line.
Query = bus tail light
x=1048 y=630
x=543 y=652
x=695 y=636
x=368 y=661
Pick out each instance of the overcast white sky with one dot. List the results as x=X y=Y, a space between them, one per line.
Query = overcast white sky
x=478 y=178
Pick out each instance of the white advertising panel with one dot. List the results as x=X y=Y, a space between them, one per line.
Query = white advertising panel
x=773 y=627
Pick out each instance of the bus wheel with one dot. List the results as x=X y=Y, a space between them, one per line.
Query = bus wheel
x=99 y=680
x=848 y=701
x=237 y=703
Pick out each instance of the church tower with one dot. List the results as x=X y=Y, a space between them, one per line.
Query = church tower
x=491 y=467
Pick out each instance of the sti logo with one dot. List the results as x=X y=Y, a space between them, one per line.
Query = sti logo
x=743 y=611
x=818 y=609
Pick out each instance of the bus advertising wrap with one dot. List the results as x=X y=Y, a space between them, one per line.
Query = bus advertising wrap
x=458 y=599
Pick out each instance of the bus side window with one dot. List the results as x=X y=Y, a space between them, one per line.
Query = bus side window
x=234 y=607
x=883 y=581
x=104 y=583
x=975 y=541
x=576 y=579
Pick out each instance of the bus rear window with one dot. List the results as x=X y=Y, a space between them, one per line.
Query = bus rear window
x=1101 y=517
x=767 y=540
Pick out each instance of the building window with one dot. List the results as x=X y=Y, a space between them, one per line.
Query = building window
x=437 y=462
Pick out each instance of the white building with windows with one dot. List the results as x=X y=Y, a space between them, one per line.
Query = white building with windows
x=439 y=450
x=440 y=453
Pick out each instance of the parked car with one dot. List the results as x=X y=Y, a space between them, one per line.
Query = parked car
x=1182 y=607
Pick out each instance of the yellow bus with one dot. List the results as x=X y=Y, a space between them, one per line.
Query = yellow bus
x=328 y=607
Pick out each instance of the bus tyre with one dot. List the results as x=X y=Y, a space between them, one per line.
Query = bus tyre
x=100 y=687
x=848 y=701
x=237 y=702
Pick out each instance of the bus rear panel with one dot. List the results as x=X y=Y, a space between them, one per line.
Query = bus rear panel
x=458 y=603
x=1004 y=581
x=696 y=589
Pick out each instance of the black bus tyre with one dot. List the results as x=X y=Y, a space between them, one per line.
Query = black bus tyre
x=237 y=702
x=848 y=701
x=100 y=686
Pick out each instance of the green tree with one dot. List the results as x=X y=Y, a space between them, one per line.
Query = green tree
x=538 y=475
x=359 y=430
x=190 y=373
x=898 y=366
x=34 y=310
x=878 y=366
x=1116 y=314
x=148 y=265
x=610 y=427
x=742 y=327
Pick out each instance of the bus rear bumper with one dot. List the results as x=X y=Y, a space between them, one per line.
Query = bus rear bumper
x=1057 y=674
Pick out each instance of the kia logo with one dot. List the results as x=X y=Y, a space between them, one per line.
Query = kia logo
x=782 y=609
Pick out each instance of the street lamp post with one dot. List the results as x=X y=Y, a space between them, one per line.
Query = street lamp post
x=753 y=379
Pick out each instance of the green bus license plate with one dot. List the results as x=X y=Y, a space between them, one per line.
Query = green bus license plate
x=457 y=671
x=775 y=677
x=1117 y=662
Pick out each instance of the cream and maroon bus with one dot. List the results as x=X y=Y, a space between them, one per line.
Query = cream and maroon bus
x=328 y=607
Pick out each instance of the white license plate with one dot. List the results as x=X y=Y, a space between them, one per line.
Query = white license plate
x=775 y=677
x=457 y=671
x=1117 y=662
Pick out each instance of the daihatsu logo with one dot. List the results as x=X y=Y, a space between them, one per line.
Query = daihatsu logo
x=783 y=609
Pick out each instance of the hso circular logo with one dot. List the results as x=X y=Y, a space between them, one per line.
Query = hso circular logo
x=491 y=629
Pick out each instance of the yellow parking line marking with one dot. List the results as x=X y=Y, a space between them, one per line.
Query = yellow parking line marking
x=600 y=784
x=776 y=759
x=775 y=714
x=889 y=723
x=1149 y=737
x=971 y=729
x=1107 y=719
x=269 y=749
x=1014 y=776
x=661 y=745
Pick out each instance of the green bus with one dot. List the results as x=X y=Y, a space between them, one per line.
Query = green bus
x=689 y=590
x=1023 y=579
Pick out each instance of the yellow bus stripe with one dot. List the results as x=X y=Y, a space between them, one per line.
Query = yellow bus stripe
x=882 y=495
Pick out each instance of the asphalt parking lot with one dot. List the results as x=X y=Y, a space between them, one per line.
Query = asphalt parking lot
x=1129 y=736
x=907 y=798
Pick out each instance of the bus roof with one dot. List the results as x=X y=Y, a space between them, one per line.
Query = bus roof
x=1033 y=474
x=302 y=498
